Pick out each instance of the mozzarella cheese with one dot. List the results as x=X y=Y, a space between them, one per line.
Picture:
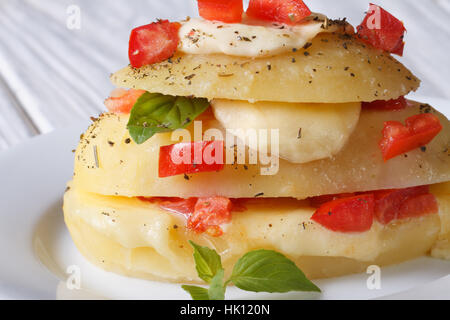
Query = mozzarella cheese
x=251 y=38
x=305 y=132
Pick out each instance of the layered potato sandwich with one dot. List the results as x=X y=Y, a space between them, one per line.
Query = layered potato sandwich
x=274 y=129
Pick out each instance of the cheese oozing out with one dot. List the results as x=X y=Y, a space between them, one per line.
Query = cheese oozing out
x=252 y=38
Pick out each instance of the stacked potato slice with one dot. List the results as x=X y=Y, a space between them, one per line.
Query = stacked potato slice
x=328 y=145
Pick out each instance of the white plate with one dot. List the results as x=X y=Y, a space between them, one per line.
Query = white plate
x=36 y=249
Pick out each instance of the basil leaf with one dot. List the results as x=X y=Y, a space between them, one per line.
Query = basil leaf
x=154 y=112
x=216 y=288
x=207 y=262
x=197 y=293
x=269 y=271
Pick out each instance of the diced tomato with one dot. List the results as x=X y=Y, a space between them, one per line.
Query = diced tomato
x=354 y=214
x=210 y=213
x=122 y=101
x=193 y=157
x=398 y=50
x=316 y=202
x=153 y=43
x=388 y=203
x=151 y=199
x=419 y=206
x=418 y=131
x=382 y=30
x=283 y=11
x=186 y=206
x=395 y=104
x=228 y=11
x=239 y=204
x=202 y=214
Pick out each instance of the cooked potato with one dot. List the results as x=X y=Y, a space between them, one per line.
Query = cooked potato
x=307 y=132
x=441 y=188
x=138 y=239
x=129 y=169
x=441 y=249
x=336 y=68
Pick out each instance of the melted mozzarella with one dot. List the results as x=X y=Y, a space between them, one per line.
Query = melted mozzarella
x=249 y=39
x=306 y=132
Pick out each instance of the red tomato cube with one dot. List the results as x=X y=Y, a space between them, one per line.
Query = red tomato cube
x=419 y=206
x=354 y=214
x=389 y=202
x=209 y=214
x=122 y=101
x=394 y=104
x=153 y=43
x=419 y=130
x=228 y=11
x=382 y=30
x=283 y=11
x=192 y=157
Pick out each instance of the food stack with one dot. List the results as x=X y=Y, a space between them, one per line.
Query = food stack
x=348 y=172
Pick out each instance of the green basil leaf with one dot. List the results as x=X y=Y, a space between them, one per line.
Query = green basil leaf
x=216 y=288
x=154 y=112
x=197 y=293
x=207 y=262
x=269 y=271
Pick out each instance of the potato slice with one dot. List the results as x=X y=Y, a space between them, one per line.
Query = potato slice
x=337 y=68
x=307 y=132
x=441 y=249
x=129 y=169
x=138 y=239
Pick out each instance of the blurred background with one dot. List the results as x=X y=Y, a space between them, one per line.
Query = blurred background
x=56 y=55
